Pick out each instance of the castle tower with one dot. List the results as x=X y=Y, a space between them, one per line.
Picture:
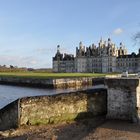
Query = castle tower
x=109 y=41
x=101 y=43
x=77 y=51
x=58 y=48
x=80 y=45
x=121 y=45
x=101 y=40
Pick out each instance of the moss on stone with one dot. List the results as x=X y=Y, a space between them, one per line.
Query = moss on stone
x=63 y=118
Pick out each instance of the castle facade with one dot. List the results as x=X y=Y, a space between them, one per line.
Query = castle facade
x=104 y=58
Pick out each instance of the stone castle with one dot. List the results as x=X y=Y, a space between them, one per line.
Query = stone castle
x=104 y=58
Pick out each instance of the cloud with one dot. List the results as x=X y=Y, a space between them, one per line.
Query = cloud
x=18 y=61
x=51 y=50
x=33 y=62
x=118 y=31
x=44 y=50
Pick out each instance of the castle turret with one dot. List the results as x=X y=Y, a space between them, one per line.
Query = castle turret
x=109 y=41
x=58 y=55
x=77 y=51
x=101 y=40
x=80 y=45
x=101 y=43
x=58 y=48
x=121 y=45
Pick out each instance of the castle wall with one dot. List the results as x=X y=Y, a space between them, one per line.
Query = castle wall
x=81 y=64
x=105 y=58
x=105 y=64
x=55 y=66
x=127 y=64
x=138 y=64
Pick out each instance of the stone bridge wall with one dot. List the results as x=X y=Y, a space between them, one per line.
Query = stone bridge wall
x=9 y=116
x=123 y=99
x=48 y=83
x=54 y=109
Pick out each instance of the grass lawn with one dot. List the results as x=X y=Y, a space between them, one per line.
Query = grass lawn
x=49 y=75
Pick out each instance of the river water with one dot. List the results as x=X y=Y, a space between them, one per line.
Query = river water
x=11 y=93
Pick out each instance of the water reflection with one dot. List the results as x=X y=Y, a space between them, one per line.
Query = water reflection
x=11 y=93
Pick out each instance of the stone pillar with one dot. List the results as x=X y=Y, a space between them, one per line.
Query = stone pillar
x=138 y=103
x=123 y=99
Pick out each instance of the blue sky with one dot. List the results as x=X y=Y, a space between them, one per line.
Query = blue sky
x=31 y=29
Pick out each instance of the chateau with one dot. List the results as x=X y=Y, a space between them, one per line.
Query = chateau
x=104 y=58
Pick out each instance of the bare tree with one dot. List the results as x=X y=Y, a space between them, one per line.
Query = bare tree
x=136 y=38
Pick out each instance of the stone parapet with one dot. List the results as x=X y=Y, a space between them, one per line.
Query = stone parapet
x=47 y=83
x=54 y=109
x=122 y=98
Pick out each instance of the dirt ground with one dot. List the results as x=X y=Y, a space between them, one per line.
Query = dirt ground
x=93 y=129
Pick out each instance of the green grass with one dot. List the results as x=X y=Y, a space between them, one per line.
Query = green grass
x=49 y=75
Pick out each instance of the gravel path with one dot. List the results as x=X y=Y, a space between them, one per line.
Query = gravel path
x=93 y=129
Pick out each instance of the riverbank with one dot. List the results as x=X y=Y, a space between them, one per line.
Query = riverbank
x=47 y=83
x=44 y=75
x=56 y=80
x=121 y=95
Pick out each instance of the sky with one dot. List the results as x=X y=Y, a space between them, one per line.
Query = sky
x=30 y=30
